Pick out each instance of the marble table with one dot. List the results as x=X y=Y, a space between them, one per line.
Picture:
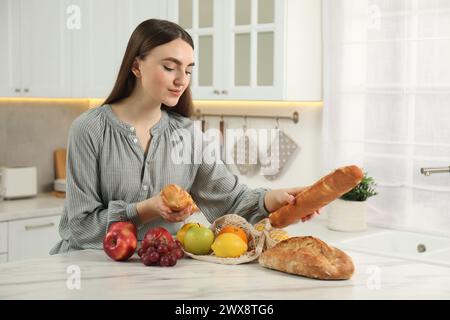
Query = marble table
x=56 y=277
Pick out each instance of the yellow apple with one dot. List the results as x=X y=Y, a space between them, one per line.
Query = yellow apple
x=182 y=232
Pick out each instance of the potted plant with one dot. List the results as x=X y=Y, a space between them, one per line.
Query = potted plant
x=348 y=213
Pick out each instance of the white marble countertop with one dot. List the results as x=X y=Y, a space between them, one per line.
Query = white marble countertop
x=375 y=277
x=42 y=205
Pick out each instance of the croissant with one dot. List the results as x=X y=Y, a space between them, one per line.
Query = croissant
x=318 y=195
x=177 y=198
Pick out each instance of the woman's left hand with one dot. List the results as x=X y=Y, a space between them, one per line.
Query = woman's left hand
x=275 y=199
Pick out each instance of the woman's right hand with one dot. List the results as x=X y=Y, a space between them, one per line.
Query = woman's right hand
x=177 y=216
x=154 y=207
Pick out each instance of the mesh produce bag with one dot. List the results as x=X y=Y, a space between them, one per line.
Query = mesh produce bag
x=271 y=235
x=256 y=239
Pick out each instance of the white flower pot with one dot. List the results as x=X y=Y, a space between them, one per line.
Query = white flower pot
x=346 y=215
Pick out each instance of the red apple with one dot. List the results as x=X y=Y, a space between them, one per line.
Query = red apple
x=123 y=225
x=120 y=244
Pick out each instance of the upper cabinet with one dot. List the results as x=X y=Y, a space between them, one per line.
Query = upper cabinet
x=35 y=52
x=244 y=49
x=99 y=45
x=67 y=48
x=254 y=49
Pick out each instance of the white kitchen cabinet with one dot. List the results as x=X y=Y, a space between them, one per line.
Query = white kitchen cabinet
x=53 y=48
x=203 y=21
x=254 y=49
x=35 y=52
x=32 y=238
x=99 y=45
x=3 y=237
x=3 y=257
x=9 y=50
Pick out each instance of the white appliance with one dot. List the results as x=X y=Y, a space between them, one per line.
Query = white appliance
x=18 y=182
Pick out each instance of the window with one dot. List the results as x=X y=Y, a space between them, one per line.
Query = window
x=387 y=104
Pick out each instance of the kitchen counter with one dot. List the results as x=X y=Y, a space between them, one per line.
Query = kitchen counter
x=42 y=205
x=375 y=277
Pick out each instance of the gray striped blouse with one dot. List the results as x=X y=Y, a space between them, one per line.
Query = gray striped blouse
x=108 y=173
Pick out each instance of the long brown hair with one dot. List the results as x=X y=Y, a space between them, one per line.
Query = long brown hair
x=148 y=35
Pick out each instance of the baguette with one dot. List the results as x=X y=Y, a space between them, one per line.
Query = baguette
x=318 y=195
x=309 y=257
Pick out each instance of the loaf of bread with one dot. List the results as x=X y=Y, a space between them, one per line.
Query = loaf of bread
x=318 y=195
x=177 y=198
x=309 y=257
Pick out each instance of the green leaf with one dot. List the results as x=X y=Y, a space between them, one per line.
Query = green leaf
x=364 y=190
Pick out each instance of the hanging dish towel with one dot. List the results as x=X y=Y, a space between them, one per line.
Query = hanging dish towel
x=245 y=154
x=273 y=166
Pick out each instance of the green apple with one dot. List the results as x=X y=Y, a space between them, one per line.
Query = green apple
x=198 y=240
x=182 y=232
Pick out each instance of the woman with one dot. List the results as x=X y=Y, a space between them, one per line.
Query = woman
x=119 y=154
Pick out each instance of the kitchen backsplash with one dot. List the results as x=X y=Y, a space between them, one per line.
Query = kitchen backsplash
x=303 y=165
x=31 y=131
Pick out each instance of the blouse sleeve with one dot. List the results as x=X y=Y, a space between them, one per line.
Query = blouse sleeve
x=217 y=192
x=88 y=216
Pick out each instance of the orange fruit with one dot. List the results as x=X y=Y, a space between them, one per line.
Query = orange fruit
x=236 y=230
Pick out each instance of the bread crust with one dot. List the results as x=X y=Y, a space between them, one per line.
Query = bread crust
x=318 y=195
x=177 y=198
x=309 y=257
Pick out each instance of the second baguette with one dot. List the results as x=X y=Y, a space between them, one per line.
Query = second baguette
x=318 y=195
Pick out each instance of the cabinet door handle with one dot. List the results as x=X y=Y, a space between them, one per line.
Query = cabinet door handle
x=26 y=90
x=216 y=92
x=17 y=90
x=224 y=92
x=39 y=226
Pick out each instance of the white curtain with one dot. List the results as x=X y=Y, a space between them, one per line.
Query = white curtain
x=387 y=104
